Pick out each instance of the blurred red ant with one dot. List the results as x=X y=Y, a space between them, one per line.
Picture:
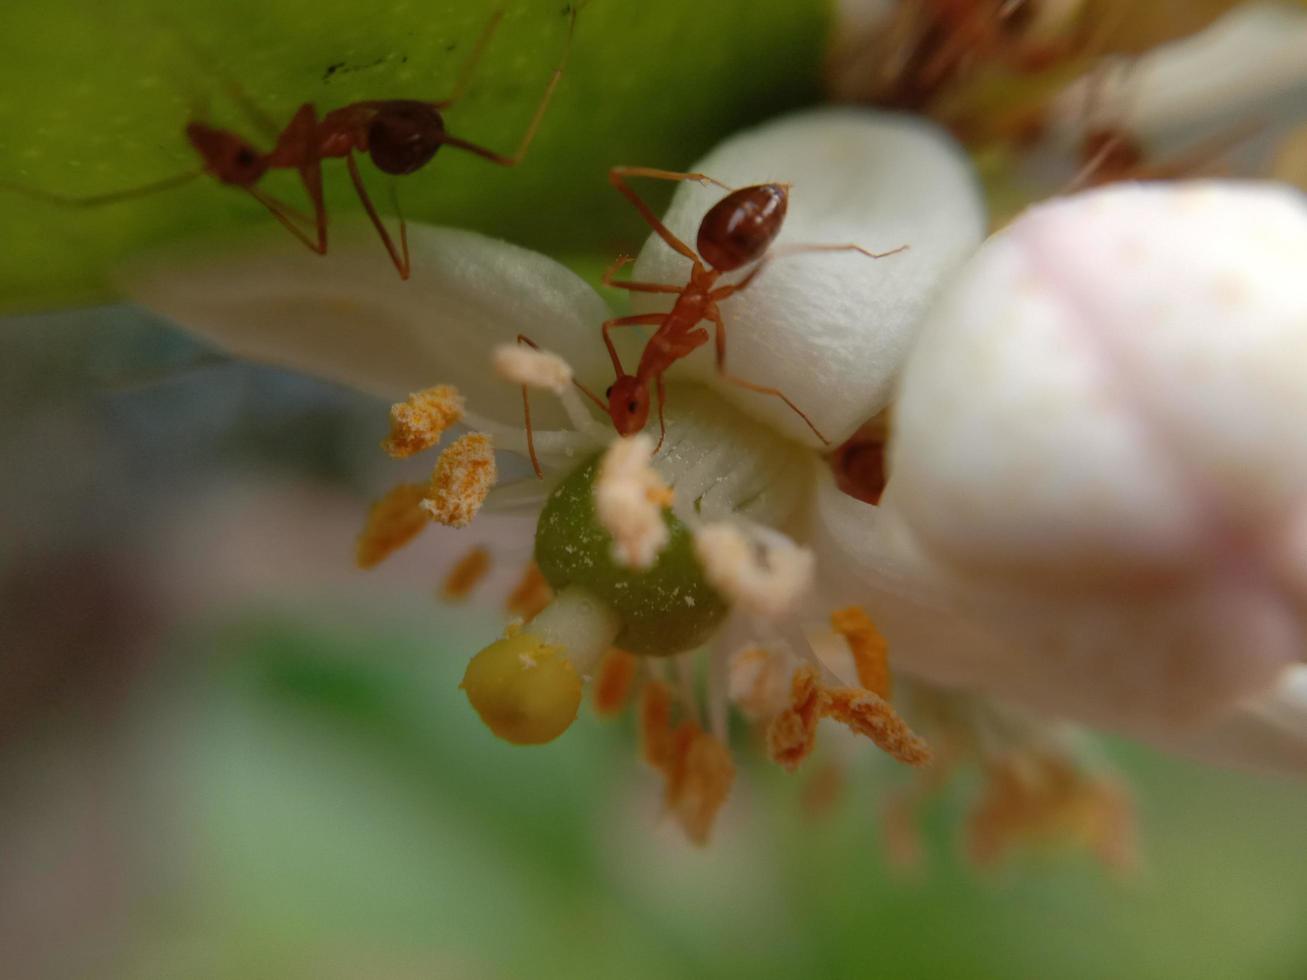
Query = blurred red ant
x=399 y=135
x=737 y=230
x=1111 y=155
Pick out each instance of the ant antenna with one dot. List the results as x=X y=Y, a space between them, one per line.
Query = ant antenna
x=199 y=55
x=95 y=200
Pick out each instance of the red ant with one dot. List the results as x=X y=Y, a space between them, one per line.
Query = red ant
x=737 y=230
x=1109 y=153
x=399 y=135
x=1112 y=155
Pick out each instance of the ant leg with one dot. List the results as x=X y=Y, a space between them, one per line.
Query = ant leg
x=635 y=287
x=297 y=147
x=403 y=225
x=716 y=317
x=311 y=176
x=524 y=339
x=662 y=423
x=646 y=319
x=615 y=175
x=469 y=66
x=401 y=262
x=95 y=200
x=286 y=215
x=785 y=251
x=529 y=136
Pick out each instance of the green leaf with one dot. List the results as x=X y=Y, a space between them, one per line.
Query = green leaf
x=97 y=96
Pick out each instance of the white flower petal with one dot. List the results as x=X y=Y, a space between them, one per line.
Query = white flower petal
x=1252 y=61
x=830 y=330
x=348 y=317
x=1098 y=454
x=1117 y=665
x=1116 y=389
x=1268 y=733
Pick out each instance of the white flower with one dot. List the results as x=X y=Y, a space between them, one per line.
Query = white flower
x=832 y=332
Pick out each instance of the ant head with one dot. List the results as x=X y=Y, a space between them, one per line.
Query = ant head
x=740 y=227
x=228 y=157
x=404 y=135
x=628 y=404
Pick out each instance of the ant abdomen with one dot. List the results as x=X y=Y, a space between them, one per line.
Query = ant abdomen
x=740 y=227
x=404 y=135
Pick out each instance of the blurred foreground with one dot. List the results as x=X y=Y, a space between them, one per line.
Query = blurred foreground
x=227 y=754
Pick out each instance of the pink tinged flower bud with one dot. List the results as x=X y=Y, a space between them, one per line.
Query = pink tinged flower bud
x=1105 y=412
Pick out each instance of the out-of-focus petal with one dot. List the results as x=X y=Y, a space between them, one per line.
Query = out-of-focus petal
x=348 y=317
x=1115 y=390
x=1252 y=62
x=1100 y=434
x=1155 y=670
x=831 y=330
x=1268 y=733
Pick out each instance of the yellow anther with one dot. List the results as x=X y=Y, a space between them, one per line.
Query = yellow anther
x=766 y=578
x=463 y=477
x=1047 y=800
x=792 y=734
x=697 y=788
x=612 y=686
x=418 y=422
x=466 y=575
x=533 y=368
x=697 y=767
x=871 y=715
x=869 y=649
x=629 y=501
x=525 y=690
x=393 y=522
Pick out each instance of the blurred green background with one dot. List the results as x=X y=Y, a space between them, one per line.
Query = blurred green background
x=97 y=95
x=224 y=753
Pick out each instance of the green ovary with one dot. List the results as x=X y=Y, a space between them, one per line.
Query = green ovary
x=666 y=609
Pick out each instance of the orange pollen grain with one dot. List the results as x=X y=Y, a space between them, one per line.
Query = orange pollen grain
x=461 y=481
x=656 y=724
x=394 y=521
x=701 y=785
x=869 y=649
x=466 y=575
x=698 y=769
x=792 y=734
x=418 y=422
x=616 y=677
x=1045 y=800
x=531 y=594
x=871 y=715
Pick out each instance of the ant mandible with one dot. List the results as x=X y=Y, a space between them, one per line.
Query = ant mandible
x=736 y=231
x=399 y=135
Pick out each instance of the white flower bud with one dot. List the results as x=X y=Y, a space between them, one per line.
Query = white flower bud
x=1106 y=412
x=830 y=329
